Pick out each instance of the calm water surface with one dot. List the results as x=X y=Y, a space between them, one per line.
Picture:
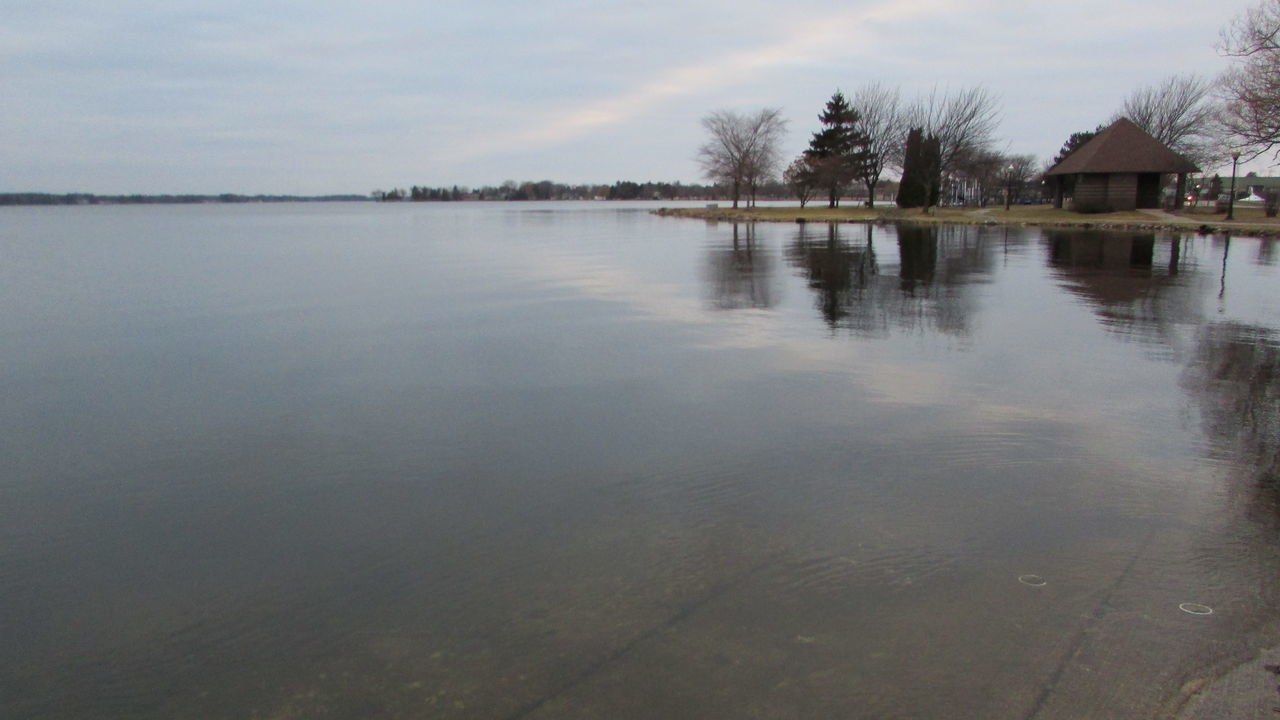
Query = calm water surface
x=578 y=461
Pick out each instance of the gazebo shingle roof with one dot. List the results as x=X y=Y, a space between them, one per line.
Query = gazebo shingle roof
x=1123 y=147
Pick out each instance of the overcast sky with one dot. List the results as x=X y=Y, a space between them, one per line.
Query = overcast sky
x=319 y=97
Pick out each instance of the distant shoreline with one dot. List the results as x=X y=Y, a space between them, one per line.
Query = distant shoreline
x=1250 y=221
x=29 y=199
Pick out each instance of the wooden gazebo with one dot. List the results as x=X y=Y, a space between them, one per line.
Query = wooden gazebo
x=1120 y=168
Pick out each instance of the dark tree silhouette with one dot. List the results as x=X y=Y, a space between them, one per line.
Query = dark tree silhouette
x=837 y=152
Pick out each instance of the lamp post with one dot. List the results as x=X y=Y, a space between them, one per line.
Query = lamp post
x=1231 y=199
x=1008 y=186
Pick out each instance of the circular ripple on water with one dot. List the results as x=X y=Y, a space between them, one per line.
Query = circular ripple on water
x=1195 y=608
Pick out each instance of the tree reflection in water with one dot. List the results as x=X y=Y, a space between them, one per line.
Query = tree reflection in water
x=1143 y=287
x=1234 y=378
x=742 y=275
x=837 y=270
x=1153 y=289
x=859 y=290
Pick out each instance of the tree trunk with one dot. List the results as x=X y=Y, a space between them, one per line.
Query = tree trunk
x=737 y=192
x=871 y=192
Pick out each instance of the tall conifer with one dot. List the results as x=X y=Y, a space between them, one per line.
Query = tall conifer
x=838 y=151
x=910 y=188
x=921 y=182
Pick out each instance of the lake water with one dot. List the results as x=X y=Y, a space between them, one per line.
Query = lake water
x=578 y=461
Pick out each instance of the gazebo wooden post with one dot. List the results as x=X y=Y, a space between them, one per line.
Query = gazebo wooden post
x=1057 y=191
x=1180 y=199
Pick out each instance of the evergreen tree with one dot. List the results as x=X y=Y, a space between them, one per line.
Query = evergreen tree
x=921 y=171
x=910 y=188
x=837 y=152
x=1073 y=143
x=931 y=163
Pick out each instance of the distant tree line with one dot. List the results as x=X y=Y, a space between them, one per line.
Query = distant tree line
x=549 y=190
x=92 y=199
x=441 y=193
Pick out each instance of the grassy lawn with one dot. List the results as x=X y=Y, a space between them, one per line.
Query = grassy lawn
x=1247 y=220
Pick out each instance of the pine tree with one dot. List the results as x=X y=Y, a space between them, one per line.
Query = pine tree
x=837 y=152
x=1075 y=142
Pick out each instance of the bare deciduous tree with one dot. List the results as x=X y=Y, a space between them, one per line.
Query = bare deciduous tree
x=964 y=122
x=1180 y=113
x=767 y=129
x=983 y=168
x=801 y=177
x=1254 y=31
x=1251 y=89
x=1015 y=173
x=879 y=112
x=742 y=151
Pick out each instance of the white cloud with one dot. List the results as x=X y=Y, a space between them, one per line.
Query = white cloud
x=795 y=47
x=341 y=98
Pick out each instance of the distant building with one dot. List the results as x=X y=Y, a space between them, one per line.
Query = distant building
x=1121 y=168
x=1255 y=185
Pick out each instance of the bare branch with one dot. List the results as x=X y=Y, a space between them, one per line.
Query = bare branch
x=1255 y=31
x=742 y=149
x=880 y=121
x=1250 y=90
x=1181 y=113
x=963 y=122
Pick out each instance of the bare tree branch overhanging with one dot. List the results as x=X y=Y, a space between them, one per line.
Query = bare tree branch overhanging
x=1255 y=31
x=1251 y=89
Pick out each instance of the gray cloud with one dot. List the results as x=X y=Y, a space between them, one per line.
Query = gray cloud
x=326 y=97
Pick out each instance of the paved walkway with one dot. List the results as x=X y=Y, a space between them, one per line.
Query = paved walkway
x=1248 y=691
x=1166 y=216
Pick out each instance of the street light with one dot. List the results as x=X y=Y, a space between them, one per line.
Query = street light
x=1008 y=186
x=1231 y=199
